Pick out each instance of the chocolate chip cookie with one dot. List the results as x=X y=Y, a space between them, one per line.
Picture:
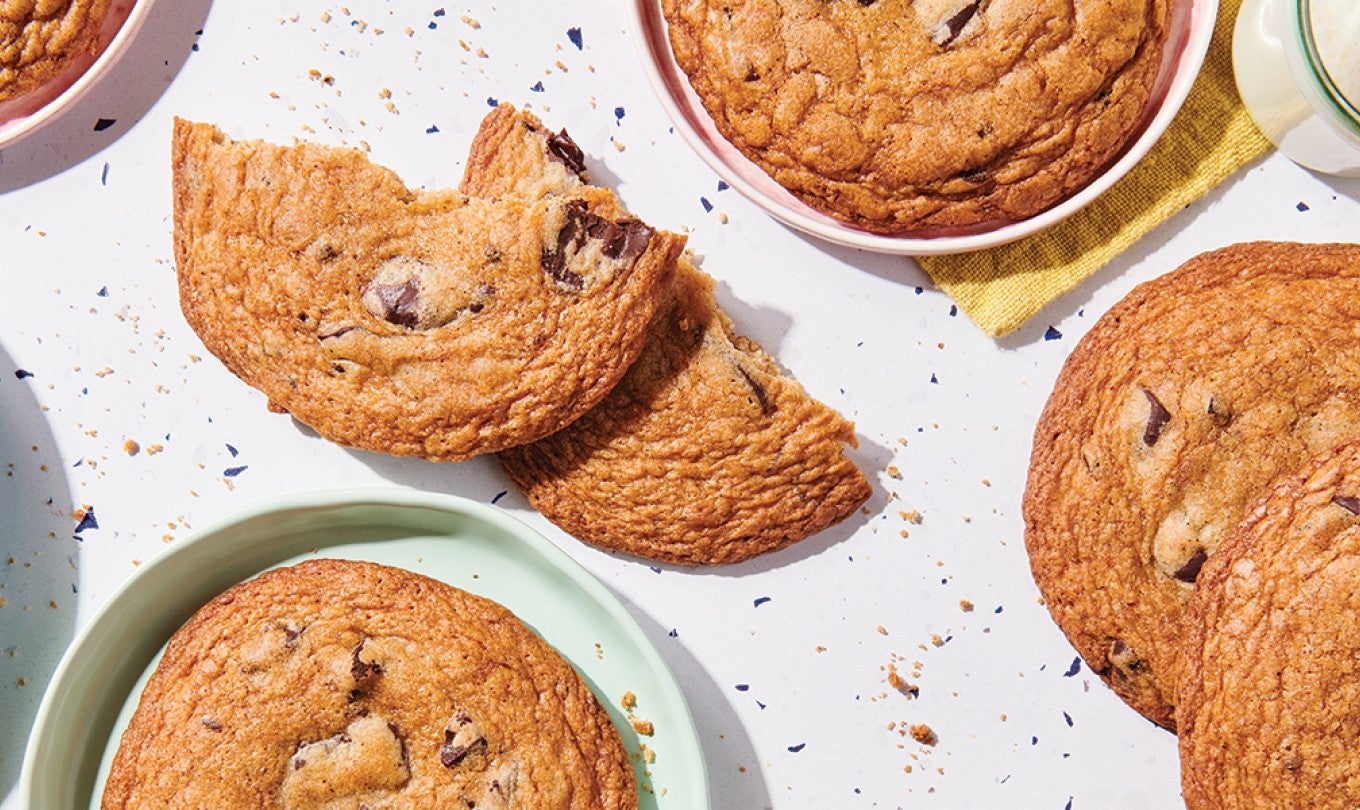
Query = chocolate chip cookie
x=408 y=322
x=39 y=40
x=1170 y=416
x=911 y=115
x=1269 y=701
x=705 y=453
x=349 y=684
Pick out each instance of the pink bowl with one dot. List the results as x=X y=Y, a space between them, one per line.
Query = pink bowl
x=22 y=116
x=1192 y=26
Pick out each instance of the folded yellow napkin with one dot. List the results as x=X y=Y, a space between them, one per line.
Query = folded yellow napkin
x=1210 y=138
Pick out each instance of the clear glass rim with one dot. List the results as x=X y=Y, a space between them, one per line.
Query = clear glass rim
x=1346 y=110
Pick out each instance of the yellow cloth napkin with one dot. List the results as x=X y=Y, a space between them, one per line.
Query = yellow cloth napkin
x=1210 y=138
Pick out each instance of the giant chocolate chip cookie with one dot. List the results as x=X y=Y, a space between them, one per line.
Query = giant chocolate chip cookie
x=909 y=115
x=1170 y=416
x=1269 y=701
x=347 y=684
x=705 y=453
x=408 y=322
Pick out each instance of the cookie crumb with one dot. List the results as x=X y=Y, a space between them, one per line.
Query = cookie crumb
x=131 y=447
x=923 y=734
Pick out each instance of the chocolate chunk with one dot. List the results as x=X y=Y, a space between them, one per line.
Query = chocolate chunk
x=757 y=389
x=363 y=670
x=1219 y=413
x=461 y=737
x=400 y=302
x=977 y=174
x=1348 y=502
x=1157 y=419
x=212 y=725
x=565 y=151
x=1190 y=571
x=949 y=29
x=622 y=240
x=752 y=75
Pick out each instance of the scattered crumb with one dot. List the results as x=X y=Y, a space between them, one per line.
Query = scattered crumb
x=966 y=606
x=893 y=472
x=628 y=701
x=643 y=727
x=923 y=734
x=131 y=447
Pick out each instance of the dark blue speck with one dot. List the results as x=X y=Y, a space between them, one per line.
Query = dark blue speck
x=933 y=380
x=743 y=687
x=655 y=569
x=104 y=175
x=674 y=633
x=1074 y=669
x=23 y=374
x=103 y=292
x=1068 y=718
x=760 y=601
x=999 y=608
x=491 y=102
x=920 y=290
x=433 y=25
x=234 y=452
x=1052 y=334
x=431 y=129
x=953 y=310
x=793 y=749
x=722 y=186
x=88 y=521
x=618 y=113
x=708 y=206
x=104 y=123
x=537 y=88
x=574 y=34
x=1301 y=207
x=499 y=495
x=232 y=472
x=439 y=12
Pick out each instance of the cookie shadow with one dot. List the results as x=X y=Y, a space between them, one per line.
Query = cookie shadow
x=123 y=96
x=39 y=559
x=734 y=775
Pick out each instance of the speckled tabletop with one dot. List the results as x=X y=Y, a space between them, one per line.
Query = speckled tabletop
x=119 y=434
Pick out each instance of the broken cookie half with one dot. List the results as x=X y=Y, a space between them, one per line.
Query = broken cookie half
x=403 y=321
x=705 y=453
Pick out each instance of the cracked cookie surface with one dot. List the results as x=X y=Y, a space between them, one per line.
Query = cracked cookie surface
x=1267 y=704
x=40 y=38
x=911 y=115
x=1170 y=416
x=705 y=453
x=342 y=684
x=408 y=322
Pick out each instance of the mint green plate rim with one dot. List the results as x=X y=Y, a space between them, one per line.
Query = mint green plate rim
x=465 y=543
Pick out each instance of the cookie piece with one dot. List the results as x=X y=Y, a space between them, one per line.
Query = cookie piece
x=39 y=40
x=1269 y=701
x=705 y=453
x=910 y=115
x=1170 y=416
x=407 y=322
x=348 y=684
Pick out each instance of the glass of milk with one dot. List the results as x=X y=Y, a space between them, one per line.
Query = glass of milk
x=1297 y=64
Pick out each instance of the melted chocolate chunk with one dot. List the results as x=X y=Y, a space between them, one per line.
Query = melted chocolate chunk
x=564 y=150
x=1190 y=571
x=363 y=670
x=756 y=388
x=461 y=738
x=1348 y=502
x=1157 y=419
x=400 y=302
x=1219 y=413
x=948 y=30
x=622 y=240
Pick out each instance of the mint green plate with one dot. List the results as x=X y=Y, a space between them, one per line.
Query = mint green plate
x=469 y=545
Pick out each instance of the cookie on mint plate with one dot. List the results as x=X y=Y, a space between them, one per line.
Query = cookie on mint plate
x=345 y=684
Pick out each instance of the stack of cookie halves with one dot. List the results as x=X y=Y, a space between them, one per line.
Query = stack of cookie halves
x=527 y=314
x=1193 y=517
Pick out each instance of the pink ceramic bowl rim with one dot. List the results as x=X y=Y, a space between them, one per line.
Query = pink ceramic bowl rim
x=1192 y=27
x=23 y=116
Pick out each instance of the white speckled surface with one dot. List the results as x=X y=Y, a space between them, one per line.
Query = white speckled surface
x=785 y=661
